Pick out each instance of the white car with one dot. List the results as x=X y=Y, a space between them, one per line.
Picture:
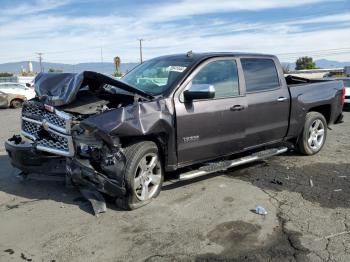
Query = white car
x=347 y=90
x=19 y=91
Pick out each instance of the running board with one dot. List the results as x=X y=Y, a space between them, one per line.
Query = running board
x=226 y=164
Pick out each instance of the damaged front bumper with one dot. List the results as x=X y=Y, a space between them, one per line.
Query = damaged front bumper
x=25 y=157
x=28 y=159
x=83 y=174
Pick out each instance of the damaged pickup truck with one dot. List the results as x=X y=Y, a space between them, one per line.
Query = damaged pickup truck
x=189 y=112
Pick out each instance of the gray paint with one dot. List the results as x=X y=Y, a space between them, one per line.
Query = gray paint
x=198 y=131
x=201 y=130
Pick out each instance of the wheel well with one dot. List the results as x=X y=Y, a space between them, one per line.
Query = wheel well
x=160 y=140
x=17 y=99
x=325 y=110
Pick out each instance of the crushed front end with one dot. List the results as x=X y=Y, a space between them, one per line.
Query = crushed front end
x=52 y=142
x=79 y=126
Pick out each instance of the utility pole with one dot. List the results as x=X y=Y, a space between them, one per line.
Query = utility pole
x=40 y=61
x=101 y=60
x=141 y=61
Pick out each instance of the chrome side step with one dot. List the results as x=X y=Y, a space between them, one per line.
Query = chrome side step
x=226 y=164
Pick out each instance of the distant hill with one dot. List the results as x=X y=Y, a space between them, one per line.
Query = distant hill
x=107 y=68
x=324 y=63
x=321 y=63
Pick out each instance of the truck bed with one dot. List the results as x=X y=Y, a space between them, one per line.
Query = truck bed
x=309 y=94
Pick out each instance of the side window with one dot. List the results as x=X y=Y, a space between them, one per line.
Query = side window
x=222 y=75
x=259 y=74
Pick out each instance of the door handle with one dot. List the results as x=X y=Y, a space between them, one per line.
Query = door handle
x=236 y=108
x=281 y=99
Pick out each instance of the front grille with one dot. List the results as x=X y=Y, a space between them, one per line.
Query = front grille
x=31 y=109
x=30 y=128
x=61 y=144
x=57 y=120
x=49 y=130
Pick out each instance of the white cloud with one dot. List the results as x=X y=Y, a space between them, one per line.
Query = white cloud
x=342 y=17
x=178 y=10
x=32 y=8
x=78 y=39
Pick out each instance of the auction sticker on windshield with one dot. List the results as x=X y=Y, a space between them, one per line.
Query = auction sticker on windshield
x=179 y=69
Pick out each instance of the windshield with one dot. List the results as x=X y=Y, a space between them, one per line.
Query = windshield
x=157 y=75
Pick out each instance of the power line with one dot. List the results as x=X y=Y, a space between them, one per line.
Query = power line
x=101 y=58
x=317 y=51
x=315 y=55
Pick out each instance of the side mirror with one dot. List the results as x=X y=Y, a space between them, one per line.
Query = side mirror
x=199 y=91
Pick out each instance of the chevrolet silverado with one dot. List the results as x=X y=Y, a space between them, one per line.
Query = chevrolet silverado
x=194 y=113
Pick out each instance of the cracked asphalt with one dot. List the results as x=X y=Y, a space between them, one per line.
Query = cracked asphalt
x=208 y=219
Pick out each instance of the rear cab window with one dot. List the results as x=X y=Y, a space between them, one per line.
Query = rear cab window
x=260 y=74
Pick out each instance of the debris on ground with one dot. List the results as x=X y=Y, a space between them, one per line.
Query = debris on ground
x=260 y=210
x=311 y=182
x=95 y=198
x=333 y=235
x=277 y=182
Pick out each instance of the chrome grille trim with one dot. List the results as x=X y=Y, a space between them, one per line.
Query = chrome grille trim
x=57 y=120
x=56 y=123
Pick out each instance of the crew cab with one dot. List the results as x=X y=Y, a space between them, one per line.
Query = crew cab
x=197 y=110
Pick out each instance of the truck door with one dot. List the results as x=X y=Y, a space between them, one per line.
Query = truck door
x=268 y=102
x=209 y=128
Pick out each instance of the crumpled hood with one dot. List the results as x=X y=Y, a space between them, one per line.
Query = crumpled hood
x=61 y=88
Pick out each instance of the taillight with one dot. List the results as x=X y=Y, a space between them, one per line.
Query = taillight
x=343 y=97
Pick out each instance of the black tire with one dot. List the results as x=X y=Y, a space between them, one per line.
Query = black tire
x=134 y=154
x=16 y=103
x=303 y=139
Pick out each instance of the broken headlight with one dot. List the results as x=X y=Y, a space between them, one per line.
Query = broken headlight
x=88 y=150
x=87 y=144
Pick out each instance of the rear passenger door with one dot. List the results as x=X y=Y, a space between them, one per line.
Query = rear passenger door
x=268 y=102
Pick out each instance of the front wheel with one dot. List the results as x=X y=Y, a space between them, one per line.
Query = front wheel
x=143 y=174
x=313 y=136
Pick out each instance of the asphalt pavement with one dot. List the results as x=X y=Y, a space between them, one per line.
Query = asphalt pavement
x=212 y=218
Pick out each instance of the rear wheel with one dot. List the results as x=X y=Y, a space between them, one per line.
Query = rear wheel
x=143 y=174
x=16 y=103
x=313 y=136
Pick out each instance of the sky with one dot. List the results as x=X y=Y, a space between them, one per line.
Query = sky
x=75 y=31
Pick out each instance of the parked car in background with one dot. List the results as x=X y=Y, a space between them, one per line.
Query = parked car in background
x=11 y=100
x=17 y=93
x=346 y=82
x=3 y=100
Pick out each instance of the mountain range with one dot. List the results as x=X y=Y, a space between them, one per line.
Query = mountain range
x=109 y=68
